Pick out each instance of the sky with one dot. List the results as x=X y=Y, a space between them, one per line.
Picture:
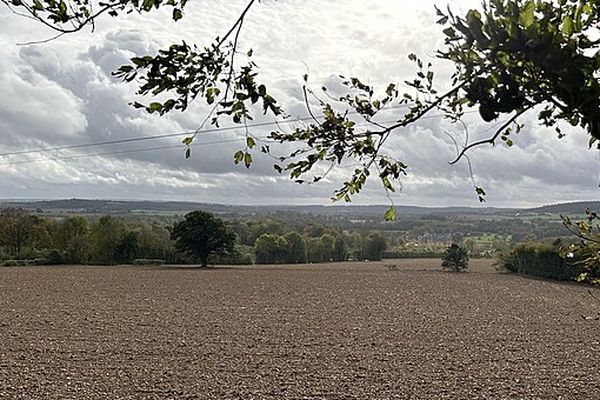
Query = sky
x=62 y=93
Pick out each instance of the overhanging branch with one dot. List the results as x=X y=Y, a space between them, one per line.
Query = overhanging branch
x=493 y=138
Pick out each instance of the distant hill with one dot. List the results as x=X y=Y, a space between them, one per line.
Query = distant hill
x=570 y=208
x=84 y=206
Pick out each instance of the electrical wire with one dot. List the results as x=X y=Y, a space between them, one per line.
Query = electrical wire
x=161 y=136
x=156 y=148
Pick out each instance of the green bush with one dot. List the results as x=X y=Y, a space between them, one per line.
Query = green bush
x=412 y=254
x=148 y=261
x=55 y=257
x=541 y=260
x=10 y=263
x=240 y=257
x=455 y=258
x=23 y=263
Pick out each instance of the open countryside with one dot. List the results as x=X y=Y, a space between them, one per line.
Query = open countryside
x=304 y=200
x=401 y=328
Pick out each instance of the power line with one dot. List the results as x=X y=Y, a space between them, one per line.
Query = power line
x=163 y=136
x=133 y=139
x=156 y=148
x=80 y=156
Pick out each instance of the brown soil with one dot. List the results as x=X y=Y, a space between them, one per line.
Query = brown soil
x=334 y=331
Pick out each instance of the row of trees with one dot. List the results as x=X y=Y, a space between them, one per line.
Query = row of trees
x=294 y=248
x=77 y=240
x=198 y=238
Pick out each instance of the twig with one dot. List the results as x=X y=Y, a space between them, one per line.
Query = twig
x=237 y=22
x=308 y=108
x=492 y=139
x=34 y=42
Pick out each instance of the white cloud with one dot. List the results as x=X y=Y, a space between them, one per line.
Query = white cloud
x=63 y=93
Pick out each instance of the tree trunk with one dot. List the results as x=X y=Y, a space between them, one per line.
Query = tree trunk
x=204 y=261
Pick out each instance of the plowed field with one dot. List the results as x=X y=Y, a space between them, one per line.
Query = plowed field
x=332 y=331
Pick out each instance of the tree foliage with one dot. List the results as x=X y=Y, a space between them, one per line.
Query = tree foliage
x=456 y=258
x=105 y=238
x=373 y=247
x=271 y=249
x=17 y=228
x=586 y=252
x=201 y=234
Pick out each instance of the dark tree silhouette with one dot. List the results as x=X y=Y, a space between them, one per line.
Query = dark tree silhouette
x=201 y=234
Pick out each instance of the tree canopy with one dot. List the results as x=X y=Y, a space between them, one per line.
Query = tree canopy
x=510 y=58
x=201 y=234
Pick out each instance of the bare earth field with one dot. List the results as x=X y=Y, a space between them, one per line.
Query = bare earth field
x=333 y=331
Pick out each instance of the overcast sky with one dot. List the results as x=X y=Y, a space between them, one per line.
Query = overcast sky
x=61 y=93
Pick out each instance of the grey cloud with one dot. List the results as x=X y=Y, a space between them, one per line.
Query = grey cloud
x=63 y=93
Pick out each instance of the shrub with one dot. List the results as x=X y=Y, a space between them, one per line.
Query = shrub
x=10 y=263
x=455 y=258
x=55 y=257
x=148 y=261
x=587 y=250
x=537 y=259
x=412 y=254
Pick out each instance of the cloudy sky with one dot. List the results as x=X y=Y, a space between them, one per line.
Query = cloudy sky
x=61 y=93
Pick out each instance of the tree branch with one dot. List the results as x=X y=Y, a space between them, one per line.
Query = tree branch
x=492 y=139
x=239 y=21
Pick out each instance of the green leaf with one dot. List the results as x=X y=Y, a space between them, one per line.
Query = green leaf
x=387 y=184
x=238 y=157
x=390 y=214
x=187 y=141
x=154 y=107
x=140 y=62
x=567 y=27
x=250 y=142
x=147 y=5
x=188 y=152
x=37 y=6
x=527 y=14
x=248 y=160
x=177 y=14
x=450 y=32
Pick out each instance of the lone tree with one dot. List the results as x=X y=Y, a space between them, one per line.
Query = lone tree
x=510 y=58
x=455 y=258
x=201 y=234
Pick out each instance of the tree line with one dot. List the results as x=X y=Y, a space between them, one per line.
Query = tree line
x=198 y=238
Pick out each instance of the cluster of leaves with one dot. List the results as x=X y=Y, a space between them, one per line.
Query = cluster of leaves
x=335 y=137
x=587 y=250
x=515 y=56
x=518 y=55
x=184 y=72
x=455 y=258
x=73 y=15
